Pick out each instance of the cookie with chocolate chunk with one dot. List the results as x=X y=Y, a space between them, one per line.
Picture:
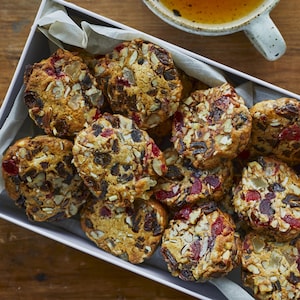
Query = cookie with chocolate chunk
x=271 y=269
x=211 y=125
x=185 y=184
x=61 y=94
x=118 y=161
x=201 y=243
x=276 y=129
x=142 y=82
x=40 y=177
x=131 y=233
x=268 y=198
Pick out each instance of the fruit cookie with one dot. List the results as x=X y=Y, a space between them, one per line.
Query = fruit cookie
x=61 y=94
x=118 y=161
x=142 y=82
x=131 y=233
x=185 y=184
x=271 y=269
x=276 y=129
x=268 y=198
x=201 y=243
x=39 y=176
x=211 y=125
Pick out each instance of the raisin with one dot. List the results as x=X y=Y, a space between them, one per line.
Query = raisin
x=213 y=181
x=216 y=114
x=32 y=100
x=265 y=207
x=170 y=74
x=178 y=121
x=276 y=187
x=97 y=129
x=86 y=83
x=200 y=147
x=115 y=146
x=105 y=212
x=104 y=187
x=186 y=275
x=293 y=279
x=291 y=200
x=174 y=173
x=169 y=257
x=102 y=159
x=115 y=169
x=136 y=135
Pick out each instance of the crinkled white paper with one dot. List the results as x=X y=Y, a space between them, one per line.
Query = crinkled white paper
x=61 y=30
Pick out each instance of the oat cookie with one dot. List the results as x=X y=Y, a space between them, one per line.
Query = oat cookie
x=142 y=82
x=268 y=198
x=211 y=125
x=118 y=161
x=40 y=177
x=131 y=233
x=185 y=184
x=276 y=129
x=201 y=243
x=271 y=269
x=61 y=94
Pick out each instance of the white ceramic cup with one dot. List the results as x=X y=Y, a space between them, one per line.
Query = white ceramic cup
x=257 y=25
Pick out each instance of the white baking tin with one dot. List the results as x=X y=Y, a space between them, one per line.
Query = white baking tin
x=68 y=232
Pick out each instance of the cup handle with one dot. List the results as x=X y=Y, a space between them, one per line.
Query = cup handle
x=266 y=38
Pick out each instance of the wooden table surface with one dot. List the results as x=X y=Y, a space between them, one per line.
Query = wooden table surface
x=32 y=266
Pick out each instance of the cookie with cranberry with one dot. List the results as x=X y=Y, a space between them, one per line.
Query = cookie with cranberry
x=276 y=129
x=61 y=94
x=185 y=184
x=131 y=233
x=40 y=177
x=271 y=269
x=118 y=161
x=142 y=82
x=268 y=198
x=211 y=125
x=201 y=243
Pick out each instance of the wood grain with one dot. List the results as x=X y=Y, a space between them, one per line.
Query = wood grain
x=33 y=266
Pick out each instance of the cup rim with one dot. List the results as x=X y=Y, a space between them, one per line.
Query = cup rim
x=208 y=29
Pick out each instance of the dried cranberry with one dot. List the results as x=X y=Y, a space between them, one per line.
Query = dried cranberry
x=217 y=227
x=105 y=212
x=107 y=132
x=178 y=121
x=136 y=118
x=291 y=133
x=295 y=223
x=155 y=150
x=123 y=82
x=212 y=181
x=97 y=114
x=196 y=187
x=196 y=249
x=119 y=47
x=252 y=195
x=10 y=166
x=163 y=195
x=184 y=213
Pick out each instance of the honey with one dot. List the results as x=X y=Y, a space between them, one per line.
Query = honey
x=212 y=11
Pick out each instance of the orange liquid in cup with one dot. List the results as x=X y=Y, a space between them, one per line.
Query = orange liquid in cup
x=212 y=11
